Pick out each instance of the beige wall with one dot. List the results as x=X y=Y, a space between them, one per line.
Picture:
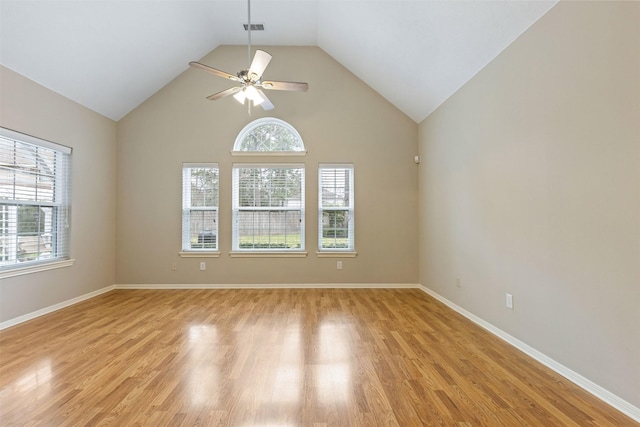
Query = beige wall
x=530 y=184
x=30 y=108
x=340 y=120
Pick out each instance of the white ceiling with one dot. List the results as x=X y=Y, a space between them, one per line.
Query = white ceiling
x=111 y=55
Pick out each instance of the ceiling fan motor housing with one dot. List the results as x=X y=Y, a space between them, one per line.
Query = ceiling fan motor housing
x=244 y=75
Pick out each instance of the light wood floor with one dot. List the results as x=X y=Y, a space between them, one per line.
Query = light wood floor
x=289 y=357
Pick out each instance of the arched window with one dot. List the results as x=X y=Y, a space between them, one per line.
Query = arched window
x=269 y=135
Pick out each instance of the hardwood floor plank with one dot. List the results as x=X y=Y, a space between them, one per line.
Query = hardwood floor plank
x=286 y=357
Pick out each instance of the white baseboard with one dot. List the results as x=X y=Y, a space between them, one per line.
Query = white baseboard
x=20 y=319
x=582 y=382
x=275 y=286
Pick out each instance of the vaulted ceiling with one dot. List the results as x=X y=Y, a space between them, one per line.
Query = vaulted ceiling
x=111 y=55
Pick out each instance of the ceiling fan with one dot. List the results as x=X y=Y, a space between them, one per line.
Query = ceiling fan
x=250 y=79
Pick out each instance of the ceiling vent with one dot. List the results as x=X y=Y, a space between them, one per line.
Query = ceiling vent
x=254 y=27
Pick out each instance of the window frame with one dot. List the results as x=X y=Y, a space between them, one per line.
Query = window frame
x=187 y=250
x=237 y=250
x=59 y=204
x=349 y=209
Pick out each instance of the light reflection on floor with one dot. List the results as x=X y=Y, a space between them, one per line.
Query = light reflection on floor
x=37 y=379
x=273 y=369
x=287 y=387
x=34 y=385
x=204 y=372
x=332 y=373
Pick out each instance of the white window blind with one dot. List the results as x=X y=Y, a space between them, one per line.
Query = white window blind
x=35 y=193
x=200 y=196
x=335 y=208
x=268 y=207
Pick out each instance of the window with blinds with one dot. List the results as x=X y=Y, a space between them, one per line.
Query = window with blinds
x=268 y=207
x=35 y=190
x=335 y=208
x=200 y=195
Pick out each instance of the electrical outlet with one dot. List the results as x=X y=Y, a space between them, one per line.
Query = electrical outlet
x=457 y=282
x=174 y=266
x=203 y=266
x=509 y=301
x=339 y=265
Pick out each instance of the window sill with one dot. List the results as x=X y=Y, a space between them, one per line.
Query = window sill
x=195 y=254
x=336 y=254
x=265 y=254
x=36 y=268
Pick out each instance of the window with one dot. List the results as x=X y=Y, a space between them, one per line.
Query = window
x=268 y=135
x=34 y=200
x=268 y=198
x=200 y=194
x=335 y=208
x=268 y=207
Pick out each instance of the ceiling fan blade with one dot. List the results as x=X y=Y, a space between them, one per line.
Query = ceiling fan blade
x=293 y=86
x=224 y=93
x=266 y=104
x=260 y=61
x=214 y=71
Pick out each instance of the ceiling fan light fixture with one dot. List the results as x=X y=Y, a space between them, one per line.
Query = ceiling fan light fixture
x=259 y=99
x=252 y=94
x=240 y=96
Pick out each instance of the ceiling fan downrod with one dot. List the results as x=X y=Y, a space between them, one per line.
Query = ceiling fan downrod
x=249 y=32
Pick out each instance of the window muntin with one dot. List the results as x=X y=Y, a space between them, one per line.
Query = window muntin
x=268 y=207
x=268 y=135
x=200 y=197
x=35 y=191
x=335 y=208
